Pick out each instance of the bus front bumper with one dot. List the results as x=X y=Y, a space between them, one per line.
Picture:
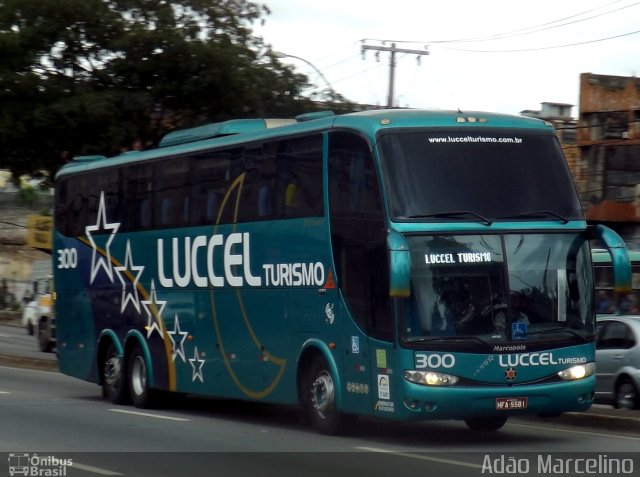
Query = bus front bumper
x=459 y=402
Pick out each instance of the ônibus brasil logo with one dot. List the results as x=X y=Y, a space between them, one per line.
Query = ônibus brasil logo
x=23 y=463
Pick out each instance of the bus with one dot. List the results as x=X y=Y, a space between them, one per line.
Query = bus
x=402 y=264
x=607 y=300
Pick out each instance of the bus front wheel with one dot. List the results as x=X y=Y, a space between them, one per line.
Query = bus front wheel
x=485 y=423
x=319 y=400
x=114 y=382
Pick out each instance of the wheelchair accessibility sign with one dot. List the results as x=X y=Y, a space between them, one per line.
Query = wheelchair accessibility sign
x=33 y=465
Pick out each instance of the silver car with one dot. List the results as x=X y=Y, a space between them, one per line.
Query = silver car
x=618 y=361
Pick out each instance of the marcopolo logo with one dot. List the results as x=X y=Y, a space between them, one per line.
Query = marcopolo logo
x=40 y=466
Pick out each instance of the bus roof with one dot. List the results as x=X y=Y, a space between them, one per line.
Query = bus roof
x=240 y=131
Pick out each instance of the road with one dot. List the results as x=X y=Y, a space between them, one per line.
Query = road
x=59 y=417
x=15 y=342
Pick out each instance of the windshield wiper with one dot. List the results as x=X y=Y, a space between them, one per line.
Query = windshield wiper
x=559 y=329
x=453 y=213
x=432 y=339
x=544 y=213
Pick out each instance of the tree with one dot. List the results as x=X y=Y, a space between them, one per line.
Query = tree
x=98 y=76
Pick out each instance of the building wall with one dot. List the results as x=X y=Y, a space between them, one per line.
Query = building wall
x=16 y=258
x=608 y=167
x=559 y=114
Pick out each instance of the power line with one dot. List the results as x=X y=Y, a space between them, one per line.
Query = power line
x=522 y=31
x=544 y=26
x=342 y=50
x=543 y=47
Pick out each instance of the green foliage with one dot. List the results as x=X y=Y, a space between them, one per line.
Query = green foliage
x=98 y=76
x=28 y=195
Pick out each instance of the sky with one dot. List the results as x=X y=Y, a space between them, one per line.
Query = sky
x=494 y=55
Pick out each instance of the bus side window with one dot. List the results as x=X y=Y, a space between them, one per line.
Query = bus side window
x=266 y=182
x=211 y=206
x=139 y=193
x=171 y=192
x=358 y=233
x=210 y=181
x=298 y=181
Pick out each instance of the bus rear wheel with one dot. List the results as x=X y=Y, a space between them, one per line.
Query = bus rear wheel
x=114 y=382
x=485 y=423
x=320 y=400
x=141 y=393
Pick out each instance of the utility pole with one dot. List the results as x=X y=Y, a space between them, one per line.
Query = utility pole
x=392 y=63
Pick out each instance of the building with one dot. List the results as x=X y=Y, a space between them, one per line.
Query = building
x=608 y=169
x=559 y=114
x=16 y=256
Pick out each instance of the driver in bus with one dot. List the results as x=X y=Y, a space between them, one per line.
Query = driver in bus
x=453 y=311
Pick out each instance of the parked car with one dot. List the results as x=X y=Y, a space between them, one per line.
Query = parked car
x=30 y=315
x=38 y=316
x=618 y=360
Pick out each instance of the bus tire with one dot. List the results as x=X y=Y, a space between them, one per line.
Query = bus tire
x=138 y=374
x=485 y=424
x=113 y=377
x=319 y=397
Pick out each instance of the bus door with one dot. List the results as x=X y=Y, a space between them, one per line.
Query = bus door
x=360 y=257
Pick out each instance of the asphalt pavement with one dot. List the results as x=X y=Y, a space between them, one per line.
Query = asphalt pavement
x=599 y=416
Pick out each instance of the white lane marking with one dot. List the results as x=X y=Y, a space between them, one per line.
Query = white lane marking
x=4 y=392
x=575 y=431
x=2 y=335
x=95 y=470
x=148 y=414
x=421 y=457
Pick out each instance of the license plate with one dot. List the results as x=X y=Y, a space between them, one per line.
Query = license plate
x=505 y=404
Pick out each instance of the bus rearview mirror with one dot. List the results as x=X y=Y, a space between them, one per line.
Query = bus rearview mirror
x=399 y=265
x=619 y=257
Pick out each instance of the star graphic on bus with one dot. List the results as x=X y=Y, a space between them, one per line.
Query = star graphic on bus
x=125 y=271
x=149 y=305
x=510 y=374
x=97 y=260
x=178 y=345
x=198 y=363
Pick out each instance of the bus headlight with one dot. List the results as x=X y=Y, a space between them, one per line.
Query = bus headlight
x=430 y=378
x=579 y=371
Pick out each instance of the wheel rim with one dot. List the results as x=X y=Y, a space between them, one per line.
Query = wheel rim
x=138 y=376
x=323 y=394
x=113 y=372
x=626 y=397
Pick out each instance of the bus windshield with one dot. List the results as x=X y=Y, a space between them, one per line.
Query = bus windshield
x=466 y=174
x=524 y=288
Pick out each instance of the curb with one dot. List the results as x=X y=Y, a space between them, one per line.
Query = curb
x=608 y=419
x=28 y=363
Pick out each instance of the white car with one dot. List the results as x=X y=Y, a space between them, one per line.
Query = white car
x=30 y=314
x=618 y=360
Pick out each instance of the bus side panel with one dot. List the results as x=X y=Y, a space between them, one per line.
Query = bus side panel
x=75 y=325
x=243 y=341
